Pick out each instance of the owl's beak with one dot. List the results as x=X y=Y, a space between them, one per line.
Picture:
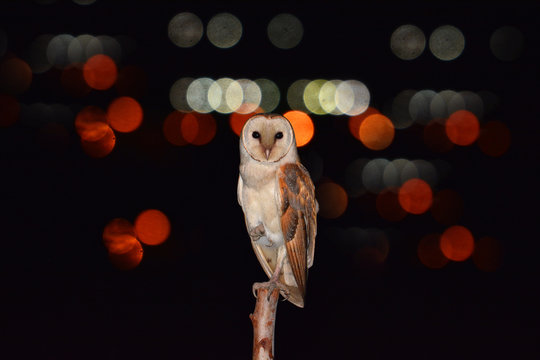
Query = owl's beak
x=267 y=153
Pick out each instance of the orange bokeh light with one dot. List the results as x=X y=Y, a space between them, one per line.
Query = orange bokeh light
x=125 y=114
x=457 y=243
x=487 y=254
x=15 y=76
x=415 y=196
x=237 y=120
x=387 y=204
x=172 y=128
x=494 y=139
x=91 y=123
x=119 y=236
x=198 y=129
x=100 y=72
x=356 y=121
x=376 y=132
x=302 y=125
x=128 y=260
x=152 y=227
x=447 y=207
x=101 y=147
x=332 y=200
x=10 y=110
x=435 y=136
x=73 y=82
x=429 y=252
x=462 y=128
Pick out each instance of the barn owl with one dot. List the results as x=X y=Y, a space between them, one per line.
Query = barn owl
x=278 y=200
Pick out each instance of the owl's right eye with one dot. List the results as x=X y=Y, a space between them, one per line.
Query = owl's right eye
x=256 y=134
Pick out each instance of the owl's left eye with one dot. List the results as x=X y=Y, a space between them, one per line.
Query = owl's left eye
x=279 y=135
x=256 y=135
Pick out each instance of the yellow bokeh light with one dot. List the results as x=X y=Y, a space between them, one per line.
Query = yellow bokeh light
x=311 y=96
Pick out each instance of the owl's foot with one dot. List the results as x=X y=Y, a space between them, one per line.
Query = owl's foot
x=257 y=232
x=271 y=285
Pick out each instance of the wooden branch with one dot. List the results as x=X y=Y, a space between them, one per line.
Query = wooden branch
x=264 y=320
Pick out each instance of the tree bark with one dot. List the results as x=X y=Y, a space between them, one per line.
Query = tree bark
x=264 y=320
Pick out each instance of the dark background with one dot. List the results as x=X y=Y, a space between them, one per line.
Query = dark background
x=191 y=296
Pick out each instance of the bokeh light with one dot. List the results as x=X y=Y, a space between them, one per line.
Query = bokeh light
x=105 y=45
x=415 y=196
x=224 y=30
x=119 y=236
x=397 y=171
x=152 y=227
x=100 y=72
x=243 y=96
x=57 y=50
x=178 y=94
x=124 y=114
x=10 y=110
x=447 y=207
x=172 y=129
x=429 y=252
x=198 y=129
x=440 y=103
x=462 y=128
x=399 y=109
x=285 y=31
x=408 y=42
x=36 y=54
x=185 y=29
x=197 y=95
x=237 y=120
x=487 y=255
x=506 y=43
x=302 y=125
x=372 y=175
x=327 y=97
x=457 y=243
x=91 y=123
x=295 y=95
x=77 y=48
x=446 y=42
x=376 y=132
x=72 y=80
x=15 y=76
x=435 y=136
x=387 y=205
x=102 y=147
x=356 y=121
x=352 y=97
x=420 y=106
x=128 y=260
x=332 y=200
x=270 y=95
x=217 y=95
x=494 y=138
x=311 y=96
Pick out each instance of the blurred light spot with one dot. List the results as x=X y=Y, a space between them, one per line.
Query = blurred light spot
x=178 y=94
x=372 y=175
x=125 y=114
x=237 y=120
x=104 y=45
x=91 y=123
x=302 y=125
x=119 y=236
x=399 y=112
x=415 y=196
x=77 y=48
x=352 y=97
x=376 y=132
x=270 y=95
x=101 y=147
x=387 y=205
x=462 y=128
x=10 y=110
x=419 y=106
x=422 y=169
x=217 y=95
x=198 y=129
x=327 y=97
x=311 y=96
x=457 y=243
x=494 y=139
x=429 y=252
x=408 y=42
x=197 y=95
x=72 y=80
x=172 y=129
x=487 y=255
x=128 y=260
x=152 y=227
x=57 y=50
x=446 y=42
x=467 y=100
x=36 y=54
x=185 y=29
x=3 y=42
x=356 y=121
x=84 y=2
x=353 y=178
x=100 y=72
x=285 y=31
x=435 y=136
x=15 y=76
x=295 y=95
x=393 y=174
x=132 y=81
x=506 y=43
x=243 y=96
x=439 y=106
x=447 y=207
x=224 y=30
x=369 y=247
x=332 y=200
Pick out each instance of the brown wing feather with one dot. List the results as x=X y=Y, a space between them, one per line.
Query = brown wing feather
x=298 y=220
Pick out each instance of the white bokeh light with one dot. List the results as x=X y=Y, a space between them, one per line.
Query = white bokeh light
x=185 y=29
x=285 y=31
x=224 y=30
x=197 y=95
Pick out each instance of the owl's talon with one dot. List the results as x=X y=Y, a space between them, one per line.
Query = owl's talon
x=257 y=232
x=271 y=286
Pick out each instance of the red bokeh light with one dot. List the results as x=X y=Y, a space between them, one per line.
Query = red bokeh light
x=376 y=132
x=101 y=147
x=302 y=125
x=125 y=114
x=91 y=123
x=172 y=128
x=152 y=227
x=128 y=260
x=429 y=252
x=332 y=200
x=462 y=128
x=198 y=129
x=388 y=207
x=100 y=72
x=356 y=121
x=457 y=243
x=415 y=196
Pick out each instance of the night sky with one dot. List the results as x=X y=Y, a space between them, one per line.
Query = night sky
x=370 y=296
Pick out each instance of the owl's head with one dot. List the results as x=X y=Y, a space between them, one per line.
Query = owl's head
x=268 y=138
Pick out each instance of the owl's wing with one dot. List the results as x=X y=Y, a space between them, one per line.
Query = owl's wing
x=298 y=219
